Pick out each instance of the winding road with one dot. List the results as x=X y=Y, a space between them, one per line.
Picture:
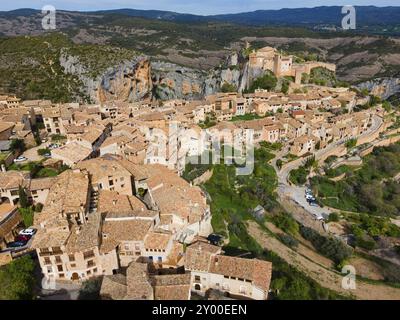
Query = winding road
x=296 y=193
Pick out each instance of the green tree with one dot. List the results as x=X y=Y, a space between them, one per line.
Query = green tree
x=17 y=145
x=228 y=87
x=90 y=290
x=17 y=279
x=23 y=198
x=267 y=82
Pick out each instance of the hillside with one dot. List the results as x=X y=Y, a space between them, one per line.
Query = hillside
x=190 y=55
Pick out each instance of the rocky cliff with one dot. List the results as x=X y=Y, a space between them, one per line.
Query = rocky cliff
x=142 y=78
x=382 y=87
x=128 y=81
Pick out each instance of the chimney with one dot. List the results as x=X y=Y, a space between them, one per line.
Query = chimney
x=3 y=168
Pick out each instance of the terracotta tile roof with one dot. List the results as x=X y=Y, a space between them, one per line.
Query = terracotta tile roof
x=6 y=126
x=42 y=183
x=207 y=258
x=171 y=287
x=68 y=194
x=86 y=236
x=13 y=179
x=174 y=195
x=115 y=205
x=157 y=240
x=114 y=287
x=100 y=168
x=73 y=151
x=257 y=271
x=198 y=256
x=139 y=284
x=126 y=230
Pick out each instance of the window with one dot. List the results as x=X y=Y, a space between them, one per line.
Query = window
x=62 y=275
x=58 y=259
x=60 y=268
x=90 y=263
x=197 y=278
x=47 y=260
x=57 y=250
x=71 y=257
x=197 y=287
x=73 y=265
x=88 y=254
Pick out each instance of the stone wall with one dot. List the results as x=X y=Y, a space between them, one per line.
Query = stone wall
x=203 y=178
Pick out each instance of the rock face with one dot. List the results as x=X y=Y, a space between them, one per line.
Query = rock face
x=382 y=87
x=140 y=79
x=171 y=81
x=130 y=81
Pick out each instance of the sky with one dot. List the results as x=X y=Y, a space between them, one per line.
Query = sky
x=201 y=7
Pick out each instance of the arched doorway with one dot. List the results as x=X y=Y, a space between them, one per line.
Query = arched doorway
x=75 y=276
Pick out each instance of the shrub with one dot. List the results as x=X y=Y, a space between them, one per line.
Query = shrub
x=90 y=289
x=330 y=247
x=17 y=279
x=228 y=87
x=288 y=240
x=285 y=222
x=42 y=152
x=27 y=216
x=267 y=82
x=333 y=217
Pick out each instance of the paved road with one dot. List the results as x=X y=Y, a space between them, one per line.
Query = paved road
x=297 y=193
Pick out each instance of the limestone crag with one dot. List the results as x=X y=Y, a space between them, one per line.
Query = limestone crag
x=382 y=87
x=141 y=78
x=129 y=81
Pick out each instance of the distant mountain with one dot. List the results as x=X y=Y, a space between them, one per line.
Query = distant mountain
x=156 y=14
x=366 y=16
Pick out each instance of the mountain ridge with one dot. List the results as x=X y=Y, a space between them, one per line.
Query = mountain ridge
x=366 y=15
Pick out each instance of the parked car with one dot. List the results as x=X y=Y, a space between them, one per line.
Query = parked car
x=313 y=204
x=54 y=146
x=20 y=159
x=310 y=198
x=23 y=238
x=16 y=244
x=215 y=239
x=47 y=155
x=28 y=232
x=44 y=140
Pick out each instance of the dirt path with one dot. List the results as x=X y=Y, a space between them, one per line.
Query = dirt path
x=326 y=278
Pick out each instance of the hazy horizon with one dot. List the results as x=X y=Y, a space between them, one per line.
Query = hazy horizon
x=205 y=7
